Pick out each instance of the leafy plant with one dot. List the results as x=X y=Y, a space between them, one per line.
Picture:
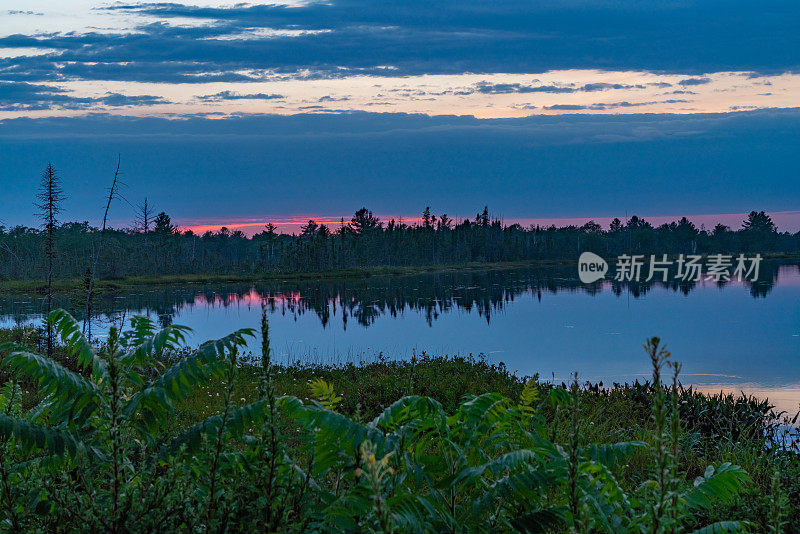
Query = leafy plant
x=323 y=392
x=113 y=448
x=100 y=437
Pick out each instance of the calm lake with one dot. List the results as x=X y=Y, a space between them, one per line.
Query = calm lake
x=732 y=337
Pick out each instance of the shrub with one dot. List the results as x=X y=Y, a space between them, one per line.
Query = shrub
x=106 y=450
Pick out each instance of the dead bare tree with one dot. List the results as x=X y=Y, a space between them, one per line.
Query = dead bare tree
x=144 y=216
x=87 y=325
x=49 y=199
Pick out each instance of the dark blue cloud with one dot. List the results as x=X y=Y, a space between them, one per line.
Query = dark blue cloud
x=118 y=100
x=566 y=107
x=507 y=88
x=232 y=95
x=331 y=98
x=578 y=165
x=694 y=81
x=602 y=106
x=609 y=86
x=503 y=88
x=23 y=96
x=415 y=37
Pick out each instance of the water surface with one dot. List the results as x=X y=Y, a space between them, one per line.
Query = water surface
x=732 y=337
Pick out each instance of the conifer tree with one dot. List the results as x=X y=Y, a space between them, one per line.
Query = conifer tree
x=49 y=199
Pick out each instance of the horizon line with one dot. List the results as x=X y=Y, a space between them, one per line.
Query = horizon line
x=785 y=221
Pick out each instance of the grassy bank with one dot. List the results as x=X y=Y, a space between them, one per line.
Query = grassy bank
x=141 y=436
x=75 y=285
x=33 y=287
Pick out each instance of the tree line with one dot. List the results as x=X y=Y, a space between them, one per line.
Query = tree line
x=73 y=249
x=153 y=246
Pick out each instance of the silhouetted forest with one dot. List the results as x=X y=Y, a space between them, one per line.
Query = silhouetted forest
x=159 y=248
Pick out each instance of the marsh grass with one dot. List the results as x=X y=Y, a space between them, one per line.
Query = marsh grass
x=141 y=434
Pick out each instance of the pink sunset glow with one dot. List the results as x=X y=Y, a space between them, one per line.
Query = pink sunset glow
x=786 y=221
x=283 y=225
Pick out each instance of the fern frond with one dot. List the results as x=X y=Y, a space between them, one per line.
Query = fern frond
x=142 y=328
x=52 y=377
x=412 y=513
x=11 y=399
x=337 y=437
x=531 y=394
x=411 y=408
x=153 y=346
x=32 y=437
x=323 y=392
x=78 y=346
x=559 y=397
x=484 y=409
x=510 y=461
x=720 y=483
x=603 y=483
x=196 y=368
x=238 y=421
x=40 y=413
x=524 y=488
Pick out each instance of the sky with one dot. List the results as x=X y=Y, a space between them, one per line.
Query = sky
x=553 y=111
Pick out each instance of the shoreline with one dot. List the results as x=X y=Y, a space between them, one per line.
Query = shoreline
x=37 y=287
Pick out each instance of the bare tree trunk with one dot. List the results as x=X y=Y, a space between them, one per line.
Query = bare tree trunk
x=50 y=252
x=87 y=325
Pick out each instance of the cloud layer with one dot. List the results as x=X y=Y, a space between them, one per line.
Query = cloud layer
x=563 y=166
x=177 y=43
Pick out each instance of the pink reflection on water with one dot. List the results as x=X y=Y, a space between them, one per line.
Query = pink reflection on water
x=786 y=275
x=252 y=297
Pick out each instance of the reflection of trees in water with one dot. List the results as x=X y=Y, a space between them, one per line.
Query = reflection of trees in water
x=364 y=300
x=767 y=278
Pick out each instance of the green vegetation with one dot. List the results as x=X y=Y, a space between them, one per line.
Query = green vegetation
x=140 y=434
